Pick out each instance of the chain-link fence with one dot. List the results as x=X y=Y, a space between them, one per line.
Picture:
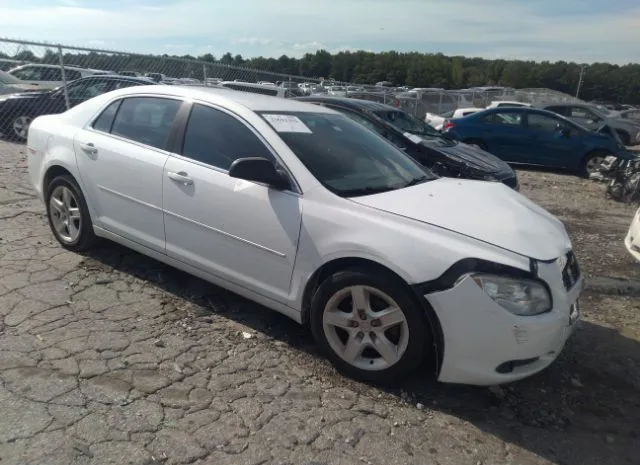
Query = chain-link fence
x=45 y=79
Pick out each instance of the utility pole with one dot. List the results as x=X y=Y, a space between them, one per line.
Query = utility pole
x=581 y=80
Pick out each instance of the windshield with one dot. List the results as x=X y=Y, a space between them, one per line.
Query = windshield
x=6 y=78
x=601 y=111
x=448 y=114
x=344 y=156
x=408 y=123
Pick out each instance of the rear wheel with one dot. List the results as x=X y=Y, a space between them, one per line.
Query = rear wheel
x=68 y=214
x=592 y=163
x=369 y=325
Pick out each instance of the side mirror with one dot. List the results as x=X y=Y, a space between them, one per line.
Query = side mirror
x=563 y=130
x=258 y=169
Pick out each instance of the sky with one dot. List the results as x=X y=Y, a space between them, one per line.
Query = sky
x=584 y=31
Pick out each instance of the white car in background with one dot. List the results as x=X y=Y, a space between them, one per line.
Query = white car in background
x=632 y=241
x=437 y=121
x=311 y=214
x=50 y=76
x=337 y=91
x=508 y=103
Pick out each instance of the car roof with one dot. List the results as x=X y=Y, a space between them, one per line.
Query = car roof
x=354 y=103
x=249 y=100
x=44 y=65
x=569 y=104
x=529 y=110
x=115 y=77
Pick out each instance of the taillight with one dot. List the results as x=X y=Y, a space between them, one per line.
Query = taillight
x=447 y=125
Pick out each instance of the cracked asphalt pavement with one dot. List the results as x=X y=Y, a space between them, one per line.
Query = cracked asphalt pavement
x=113 y=358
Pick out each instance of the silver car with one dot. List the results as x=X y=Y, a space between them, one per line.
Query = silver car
x=12 y=85
x=594 y=117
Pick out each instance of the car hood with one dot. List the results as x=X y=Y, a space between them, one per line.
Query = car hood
x=473 y=157
x=15 y=88
x=486 y=211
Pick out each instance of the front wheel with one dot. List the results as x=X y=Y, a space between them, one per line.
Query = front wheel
x=592 y=163
x=369 y=325
x=20 y=127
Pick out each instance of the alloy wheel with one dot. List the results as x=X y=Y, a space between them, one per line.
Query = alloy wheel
x=365 y=327
x=20 y=127
x=594 y=163
x=65 y=214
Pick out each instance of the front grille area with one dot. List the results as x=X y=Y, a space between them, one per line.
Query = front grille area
x=571 y=271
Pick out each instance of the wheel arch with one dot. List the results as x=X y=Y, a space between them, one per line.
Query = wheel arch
x=344 y=263
x=53 y=172
x=623 y=134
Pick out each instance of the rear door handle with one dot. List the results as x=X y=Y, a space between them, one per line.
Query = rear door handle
x=180 y=177
x=88 y=147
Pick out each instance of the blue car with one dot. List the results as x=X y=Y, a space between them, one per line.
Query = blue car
x=531 y=136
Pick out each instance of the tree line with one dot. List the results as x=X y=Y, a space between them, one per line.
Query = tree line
x=602 y=81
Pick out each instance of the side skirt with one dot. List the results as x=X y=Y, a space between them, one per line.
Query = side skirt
x=240 y=290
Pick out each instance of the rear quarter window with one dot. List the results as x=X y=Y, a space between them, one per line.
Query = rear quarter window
x=105 y=120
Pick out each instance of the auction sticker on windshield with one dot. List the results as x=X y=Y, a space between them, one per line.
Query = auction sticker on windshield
x=287 y=123
x=413 y=138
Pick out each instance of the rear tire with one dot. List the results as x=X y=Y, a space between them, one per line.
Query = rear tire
x=68 y=214
x=369 y=325
x=592 y=162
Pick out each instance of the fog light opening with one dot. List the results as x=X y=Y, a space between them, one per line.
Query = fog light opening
x=508 y=367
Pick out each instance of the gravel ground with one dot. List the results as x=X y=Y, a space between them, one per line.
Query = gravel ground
x=113 y=358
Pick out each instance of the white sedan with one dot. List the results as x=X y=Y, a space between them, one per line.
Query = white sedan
x=305 y=211
x=632 y=241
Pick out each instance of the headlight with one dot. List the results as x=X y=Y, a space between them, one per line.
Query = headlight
x=524 y=297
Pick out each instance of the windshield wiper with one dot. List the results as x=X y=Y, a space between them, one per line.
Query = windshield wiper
x=416 y=181
x=367 y=190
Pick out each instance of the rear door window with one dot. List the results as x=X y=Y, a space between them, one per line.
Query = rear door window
x=51 y=74
x=147 y=120
x=71 y=75
x=28 y=73
x=503 y=118
x=88 y=89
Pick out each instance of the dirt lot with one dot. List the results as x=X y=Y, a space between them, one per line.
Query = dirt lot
x=112 y=358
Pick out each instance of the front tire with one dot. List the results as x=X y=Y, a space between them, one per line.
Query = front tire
x=68 y=214
x=19 y=127
x=369 y=325
x=591 y=163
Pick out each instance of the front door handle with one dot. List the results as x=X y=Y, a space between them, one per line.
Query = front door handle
x=180 y=177
x=88 y=147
